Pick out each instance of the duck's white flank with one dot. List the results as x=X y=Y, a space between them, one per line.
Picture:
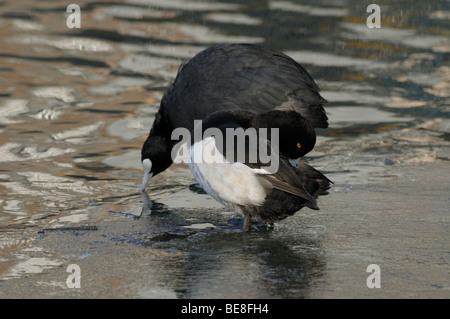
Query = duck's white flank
x=224 y=181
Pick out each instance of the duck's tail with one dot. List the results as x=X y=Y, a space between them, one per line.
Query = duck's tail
x=314 y=181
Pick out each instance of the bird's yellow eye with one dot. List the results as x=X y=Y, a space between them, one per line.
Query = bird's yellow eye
x=299 y=145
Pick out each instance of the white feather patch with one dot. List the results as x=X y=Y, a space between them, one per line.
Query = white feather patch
x=224 y=181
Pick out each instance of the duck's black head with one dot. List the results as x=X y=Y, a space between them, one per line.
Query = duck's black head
x=296 y=135
x=155 y=157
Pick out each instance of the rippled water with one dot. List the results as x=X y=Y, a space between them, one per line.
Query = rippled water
x=77 y=104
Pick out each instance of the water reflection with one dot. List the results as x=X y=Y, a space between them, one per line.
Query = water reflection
x=251 y=265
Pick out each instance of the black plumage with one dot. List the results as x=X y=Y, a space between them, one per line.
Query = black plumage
x=231 y=77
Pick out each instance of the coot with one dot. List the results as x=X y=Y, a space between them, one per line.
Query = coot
x=229 y=77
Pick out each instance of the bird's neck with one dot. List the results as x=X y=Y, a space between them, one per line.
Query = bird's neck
x=161 y=127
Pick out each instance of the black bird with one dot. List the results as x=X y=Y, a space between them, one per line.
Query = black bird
x=229 y=77
x=259 y=191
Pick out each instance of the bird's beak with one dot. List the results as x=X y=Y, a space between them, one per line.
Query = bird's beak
x=147 y=166
x=294 y=161
x=145 y=180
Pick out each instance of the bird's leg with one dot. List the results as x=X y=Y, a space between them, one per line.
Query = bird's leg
x=247 y=222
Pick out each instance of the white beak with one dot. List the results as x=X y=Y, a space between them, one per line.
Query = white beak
x=147 y=166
